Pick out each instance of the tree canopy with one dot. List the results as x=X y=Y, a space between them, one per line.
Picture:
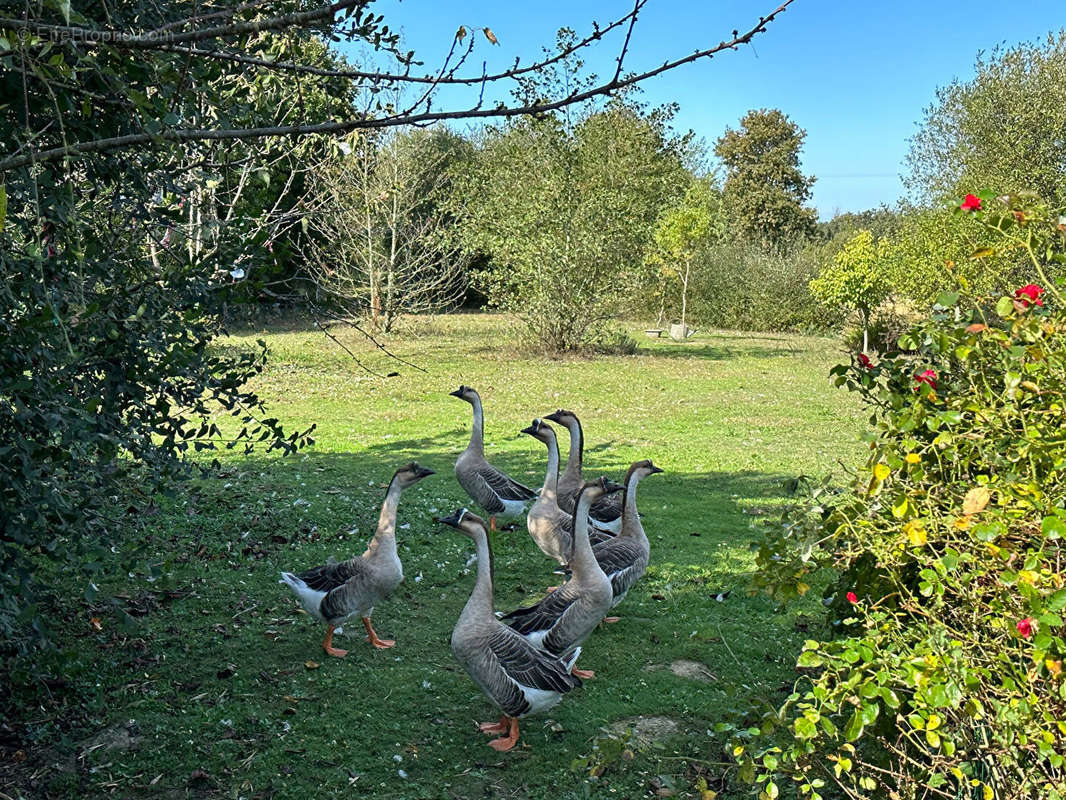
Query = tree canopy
x=1003 y=131
x=765 y=189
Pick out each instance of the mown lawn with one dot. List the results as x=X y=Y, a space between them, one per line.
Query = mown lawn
x=216 y=686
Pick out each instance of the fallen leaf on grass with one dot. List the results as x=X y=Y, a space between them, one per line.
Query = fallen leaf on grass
x=311 y=664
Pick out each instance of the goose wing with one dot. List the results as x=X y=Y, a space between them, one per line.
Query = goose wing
x=608 y=508
x=621 y=560
x=529 y=666
x=332 y=574
x=494 y=487
x=543 y=615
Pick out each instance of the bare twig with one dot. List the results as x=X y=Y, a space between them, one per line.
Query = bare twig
x=365 y=121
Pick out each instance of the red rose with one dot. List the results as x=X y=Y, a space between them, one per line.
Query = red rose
x=865 y=361
x=1025 y=627
x=852 y=597
x=971 y=203
x=1030 y=294
x=928 y=377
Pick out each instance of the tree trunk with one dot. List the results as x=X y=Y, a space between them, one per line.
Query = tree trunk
x=684 y=297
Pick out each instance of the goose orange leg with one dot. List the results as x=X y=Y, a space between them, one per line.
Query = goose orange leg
x=327 y=645
x=505 y=743
x=610 y=620
x=494 y=727
x=584 y=674
x=492 y=524
x=380 y=644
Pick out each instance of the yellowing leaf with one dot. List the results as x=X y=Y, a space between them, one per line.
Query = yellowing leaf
x=983 y=252
x=461 y=33
x=976 y=499
x=311 y=664
x=802 y=588
x=915 y=533
x=881 y=471
x=490 y=36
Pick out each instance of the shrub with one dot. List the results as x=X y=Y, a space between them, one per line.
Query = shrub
x=745 y=287
x=947 y=677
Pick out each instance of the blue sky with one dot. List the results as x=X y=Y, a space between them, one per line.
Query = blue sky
x=856 y=75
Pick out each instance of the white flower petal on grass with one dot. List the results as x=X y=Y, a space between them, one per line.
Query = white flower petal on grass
x=236 y=274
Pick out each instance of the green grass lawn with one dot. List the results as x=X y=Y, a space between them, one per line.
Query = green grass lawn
x=218 y=686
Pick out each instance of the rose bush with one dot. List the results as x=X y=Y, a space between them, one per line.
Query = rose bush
x=944 y=677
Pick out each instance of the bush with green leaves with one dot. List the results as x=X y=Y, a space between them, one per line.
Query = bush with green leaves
x=746 y=287
x=854 y=280
x=945 y=677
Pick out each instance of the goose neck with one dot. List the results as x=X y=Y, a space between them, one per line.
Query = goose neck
x=477 y=434
x=582 y=559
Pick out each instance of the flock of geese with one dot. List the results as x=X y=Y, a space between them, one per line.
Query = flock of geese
x=523 y=661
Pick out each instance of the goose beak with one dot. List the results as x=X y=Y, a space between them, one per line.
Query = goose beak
x=554 y=417
x=458 y=392
x=424 y=472
x=610 y=487
x=653 y=469
x=452 y=520
x=532 y=429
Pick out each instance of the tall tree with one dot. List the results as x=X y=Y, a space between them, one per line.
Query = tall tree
x=1003 y=131
x=765 y=189
x=564 y=210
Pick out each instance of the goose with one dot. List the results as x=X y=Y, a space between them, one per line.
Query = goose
x=335 y=592
x=625 y=557
x=607 y=512
x=516 y=675
x=499 y=495
x=550 y=526
x=561 y=621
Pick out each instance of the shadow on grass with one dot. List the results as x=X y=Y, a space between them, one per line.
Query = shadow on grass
x=220 y=656
x=713 y=352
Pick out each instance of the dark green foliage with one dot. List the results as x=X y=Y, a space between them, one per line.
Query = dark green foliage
x=114 y=268
x=765 y=190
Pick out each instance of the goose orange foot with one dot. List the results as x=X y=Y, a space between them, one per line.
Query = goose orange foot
x=372 y=637
x=584 y=674
x=505 y=743
x=611 y=620
x=494 y=727
x=327 y=645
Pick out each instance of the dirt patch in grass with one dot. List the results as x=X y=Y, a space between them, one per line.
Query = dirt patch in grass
x=647 y=730
x=693 y=670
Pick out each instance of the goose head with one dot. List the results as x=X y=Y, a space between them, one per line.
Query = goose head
x=641 y=470
x=541 y=431
x=410 y=474
x=466 y=393
x=466 y=522
x=598 y=488
x=563 y=417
